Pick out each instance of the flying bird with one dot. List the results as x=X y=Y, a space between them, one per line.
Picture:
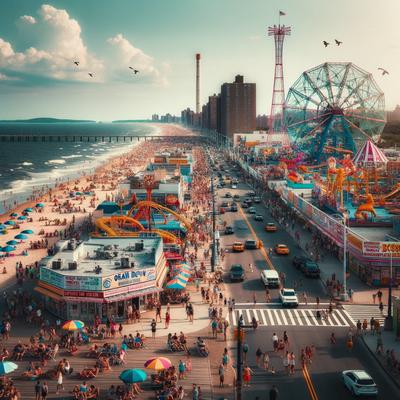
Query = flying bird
x=384 y=72
x=134 y=70
x=76 y=63
x=91 y=74
x=338 y=42
x=326 y=44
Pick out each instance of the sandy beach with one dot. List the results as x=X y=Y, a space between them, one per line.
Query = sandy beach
x=66 y=214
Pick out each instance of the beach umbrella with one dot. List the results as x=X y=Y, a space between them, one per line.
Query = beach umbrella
x=73 y=325
x=13 y=215
x=12 y=242
x=27 y=231
x=3 y=227
x=21 y=218
x=7 y=249
x=78 y=193
x=28 y=209
x=176 y=284
x=133 y=376
x=158 y=363
x=182 y=278
x=184 y=274
x=39 y=205
x=6 y=367
x=20 y=236
x=9 y=223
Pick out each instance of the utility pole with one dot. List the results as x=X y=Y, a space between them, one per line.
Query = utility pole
x=239 y=359
x=389 y=319
x=213 y=225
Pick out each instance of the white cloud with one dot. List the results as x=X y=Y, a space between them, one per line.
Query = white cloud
x=255 y=37
x=58 y=43
x=127 y=55
x=28 y=19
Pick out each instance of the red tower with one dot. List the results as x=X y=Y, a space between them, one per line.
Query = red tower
x=277 y=129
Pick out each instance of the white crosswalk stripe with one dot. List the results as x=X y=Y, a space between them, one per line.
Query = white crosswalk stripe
x=288 y=317
x=363 y=311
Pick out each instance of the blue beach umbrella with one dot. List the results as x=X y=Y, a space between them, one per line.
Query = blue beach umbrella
x=7 y=249
x=27 y=231
x=28 y=209
x=176 y=284
x=39 y=205
x=9 y=222
x=133 y=376
x=12 y=242
x=21 y=218
x=3 y=227
x=14 y=214
x=21 y=236
x=6 y=367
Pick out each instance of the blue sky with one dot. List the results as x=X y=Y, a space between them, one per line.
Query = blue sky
x=39 y=41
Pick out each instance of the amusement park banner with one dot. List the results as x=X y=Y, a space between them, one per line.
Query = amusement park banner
x=381 y=249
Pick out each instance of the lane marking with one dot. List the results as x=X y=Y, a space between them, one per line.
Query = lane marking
x=291 y=319
x=310 y=384
x=248 y=315
x=263 y=317
x=270 y=317
x=276 y=315
x=284 y=317
x=349 y=317
x=306 y=317
x=233 y=317
x=310 y=313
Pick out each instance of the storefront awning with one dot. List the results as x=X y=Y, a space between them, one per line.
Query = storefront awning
x=137 y=293
x=83 y=300
x=48 y=293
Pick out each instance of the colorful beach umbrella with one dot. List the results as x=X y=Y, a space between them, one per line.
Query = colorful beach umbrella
x=6 y=367
x=133 y=376
x=28 y=209
x=73 y=325
x=185 y=274
x=7 y=249
x=39 y=205
x=12 y=242
x=9 y=222
x=20 y=236
x=182 y=278
x=158 y=363
x=176 y=284
x=27 y=231
x=21 y=218
x=3 y=227
x=13 y=215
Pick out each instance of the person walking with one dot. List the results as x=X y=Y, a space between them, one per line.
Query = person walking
x=225 y=358
x=266 y=361
x=60 y=385
x=181 y=370
x=247 y=372
x=221 y=373
x=285 y=362
x=167 y=319
x=245 y=351
x=44 y=391
x=273 y=393
x=153 y=326
x=275 y=341
x=259 y=353
x=372 y=325
x=381 y=308
x=38 y=390
x=292 y=363
x=158 y=312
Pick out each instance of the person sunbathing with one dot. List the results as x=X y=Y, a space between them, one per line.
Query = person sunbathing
x=33 y=373
x=93 y=392
x=94 y=351
x=88 y=373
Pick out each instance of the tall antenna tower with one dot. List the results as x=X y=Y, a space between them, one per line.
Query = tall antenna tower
x=276 y=118
x=198 y=83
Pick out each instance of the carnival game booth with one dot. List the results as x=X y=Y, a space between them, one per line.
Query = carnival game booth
x=103 y=276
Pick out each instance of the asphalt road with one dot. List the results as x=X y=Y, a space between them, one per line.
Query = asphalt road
x=325 y=371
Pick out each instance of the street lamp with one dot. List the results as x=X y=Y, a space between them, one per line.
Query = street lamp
x=345 y=295
x=389 y=317
x=213 y=225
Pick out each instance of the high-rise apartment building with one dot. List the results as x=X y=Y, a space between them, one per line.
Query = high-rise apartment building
x=238 y=107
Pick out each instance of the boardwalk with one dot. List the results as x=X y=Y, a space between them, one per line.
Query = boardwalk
x=200 y=374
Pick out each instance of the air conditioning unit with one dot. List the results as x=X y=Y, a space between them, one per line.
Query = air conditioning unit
x=139 y=246
x=125 y=262
x=56 y=264
x=73 y=266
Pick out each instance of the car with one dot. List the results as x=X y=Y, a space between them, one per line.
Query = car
x=236 y=272
x=228 y=195
x=234 y=208
x=251 y=194
x=245 y=205
x=252 y=210
x=359 y=382
x=229 y=230
x=257 y=200
x=288 y=297
x=237 y=247
x=270 y=278
x=298 y=261
x=310 y=269
x=270 y=227
x=236 y=197
x=258 y=217
x=248 y=200
x=251 y=244
x=282 y=249
x=234 y=186
x=224 y=204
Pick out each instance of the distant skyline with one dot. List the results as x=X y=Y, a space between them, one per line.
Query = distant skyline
x=39 y=41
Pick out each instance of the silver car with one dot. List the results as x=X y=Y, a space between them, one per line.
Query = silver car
x=359 y=383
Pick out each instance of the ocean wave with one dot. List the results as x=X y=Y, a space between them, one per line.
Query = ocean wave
x=26 y=163
x=71 y=156
x=55 y=162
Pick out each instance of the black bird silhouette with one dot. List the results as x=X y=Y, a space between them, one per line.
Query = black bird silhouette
x=338 y=42
x=91 y=74
x=134 y=70
x=326 y=44
x=384 y=72
x=76 y=63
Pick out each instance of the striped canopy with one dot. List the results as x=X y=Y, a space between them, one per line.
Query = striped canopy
x=370 y=155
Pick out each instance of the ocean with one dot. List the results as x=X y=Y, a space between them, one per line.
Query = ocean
x=28 y=167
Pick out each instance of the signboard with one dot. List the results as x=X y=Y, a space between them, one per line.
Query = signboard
x=52 y=277
x=82 y=282
x=130 y=277
x=93 y=295
x=381 y=249
x=123 y=290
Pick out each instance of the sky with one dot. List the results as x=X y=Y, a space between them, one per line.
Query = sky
x=40 y=40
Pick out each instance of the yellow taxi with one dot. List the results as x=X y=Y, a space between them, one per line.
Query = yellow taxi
x=238 y=247
x=270 y=227
x=282 y=249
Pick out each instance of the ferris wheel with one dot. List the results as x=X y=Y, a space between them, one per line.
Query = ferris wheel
x=335 y=106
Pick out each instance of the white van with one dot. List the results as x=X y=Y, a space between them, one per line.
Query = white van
x=270 y=278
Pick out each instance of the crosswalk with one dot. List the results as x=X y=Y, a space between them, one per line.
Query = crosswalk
x=290 y=317
x=363 y=311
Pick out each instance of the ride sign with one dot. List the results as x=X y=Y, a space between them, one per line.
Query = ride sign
x=127 y=278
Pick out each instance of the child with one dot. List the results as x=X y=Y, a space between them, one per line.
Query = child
x=188 y=364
